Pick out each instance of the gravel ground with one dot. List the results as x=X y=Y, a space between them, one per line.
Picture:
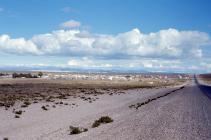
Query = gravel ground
x=184 y=114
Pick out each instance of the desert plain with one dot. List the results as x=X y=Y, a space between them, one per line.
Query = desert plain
x=152 y=107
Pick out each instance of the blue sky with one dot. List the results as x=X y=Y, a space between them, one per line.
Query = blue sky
x=156 y=35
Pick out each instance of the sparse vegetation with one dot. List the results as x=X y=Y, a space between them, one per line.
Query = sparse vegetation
x=96 y=124
x=18 y=112
x=40 y=74
x=4 y=74
x=77 y=130
x=102 y=120
x=24 y=106
x=23 y=75
x=105 y=119
x=44 y=108
x=74 y=130
x=30 y=91
x=17 y=116
x=27 y=103
x=35 y=102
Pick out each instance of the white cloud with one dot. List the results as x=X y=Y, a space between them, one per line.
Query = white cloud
x=196 y=53
x=70 y=24
x=147 y=64
x=86 y=62
x=17 y=46
x=169 y=43
x=110 y=50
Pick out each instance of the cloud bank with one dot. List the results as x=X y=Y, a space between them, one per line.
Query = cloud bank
x=169 y=43
x=165 y=49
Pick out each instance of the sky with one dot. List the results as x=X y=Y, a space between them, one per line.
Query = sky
x=145 y=35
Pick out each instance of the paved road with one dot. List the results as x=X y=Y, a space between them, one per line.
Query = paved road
x=182 y=115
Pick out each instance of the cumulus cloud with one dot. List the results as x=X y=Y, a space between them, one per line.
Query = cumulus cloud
x=167 y=44
x=195 y=52
x=70 y=24
x=17 y=46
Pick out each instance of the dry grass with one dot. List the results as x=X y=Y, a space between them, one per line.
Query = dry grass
x=96 y=83
x=29 y=91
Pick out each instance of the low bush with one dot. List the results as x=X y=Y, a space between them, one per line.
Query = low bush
x=77 y=130
x=16 y=116
x=102 y=120
x=96 y=124
x=27 y=103
x=44 y=108
x=24 y=106
x=18 y=112
x=105 y=119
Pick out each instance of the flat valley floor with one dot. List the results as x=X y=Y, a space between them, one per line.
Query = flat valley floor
x=171 y=113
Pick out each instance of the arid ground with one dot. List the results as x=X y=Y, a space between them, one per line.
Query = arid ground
x=35 y=109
